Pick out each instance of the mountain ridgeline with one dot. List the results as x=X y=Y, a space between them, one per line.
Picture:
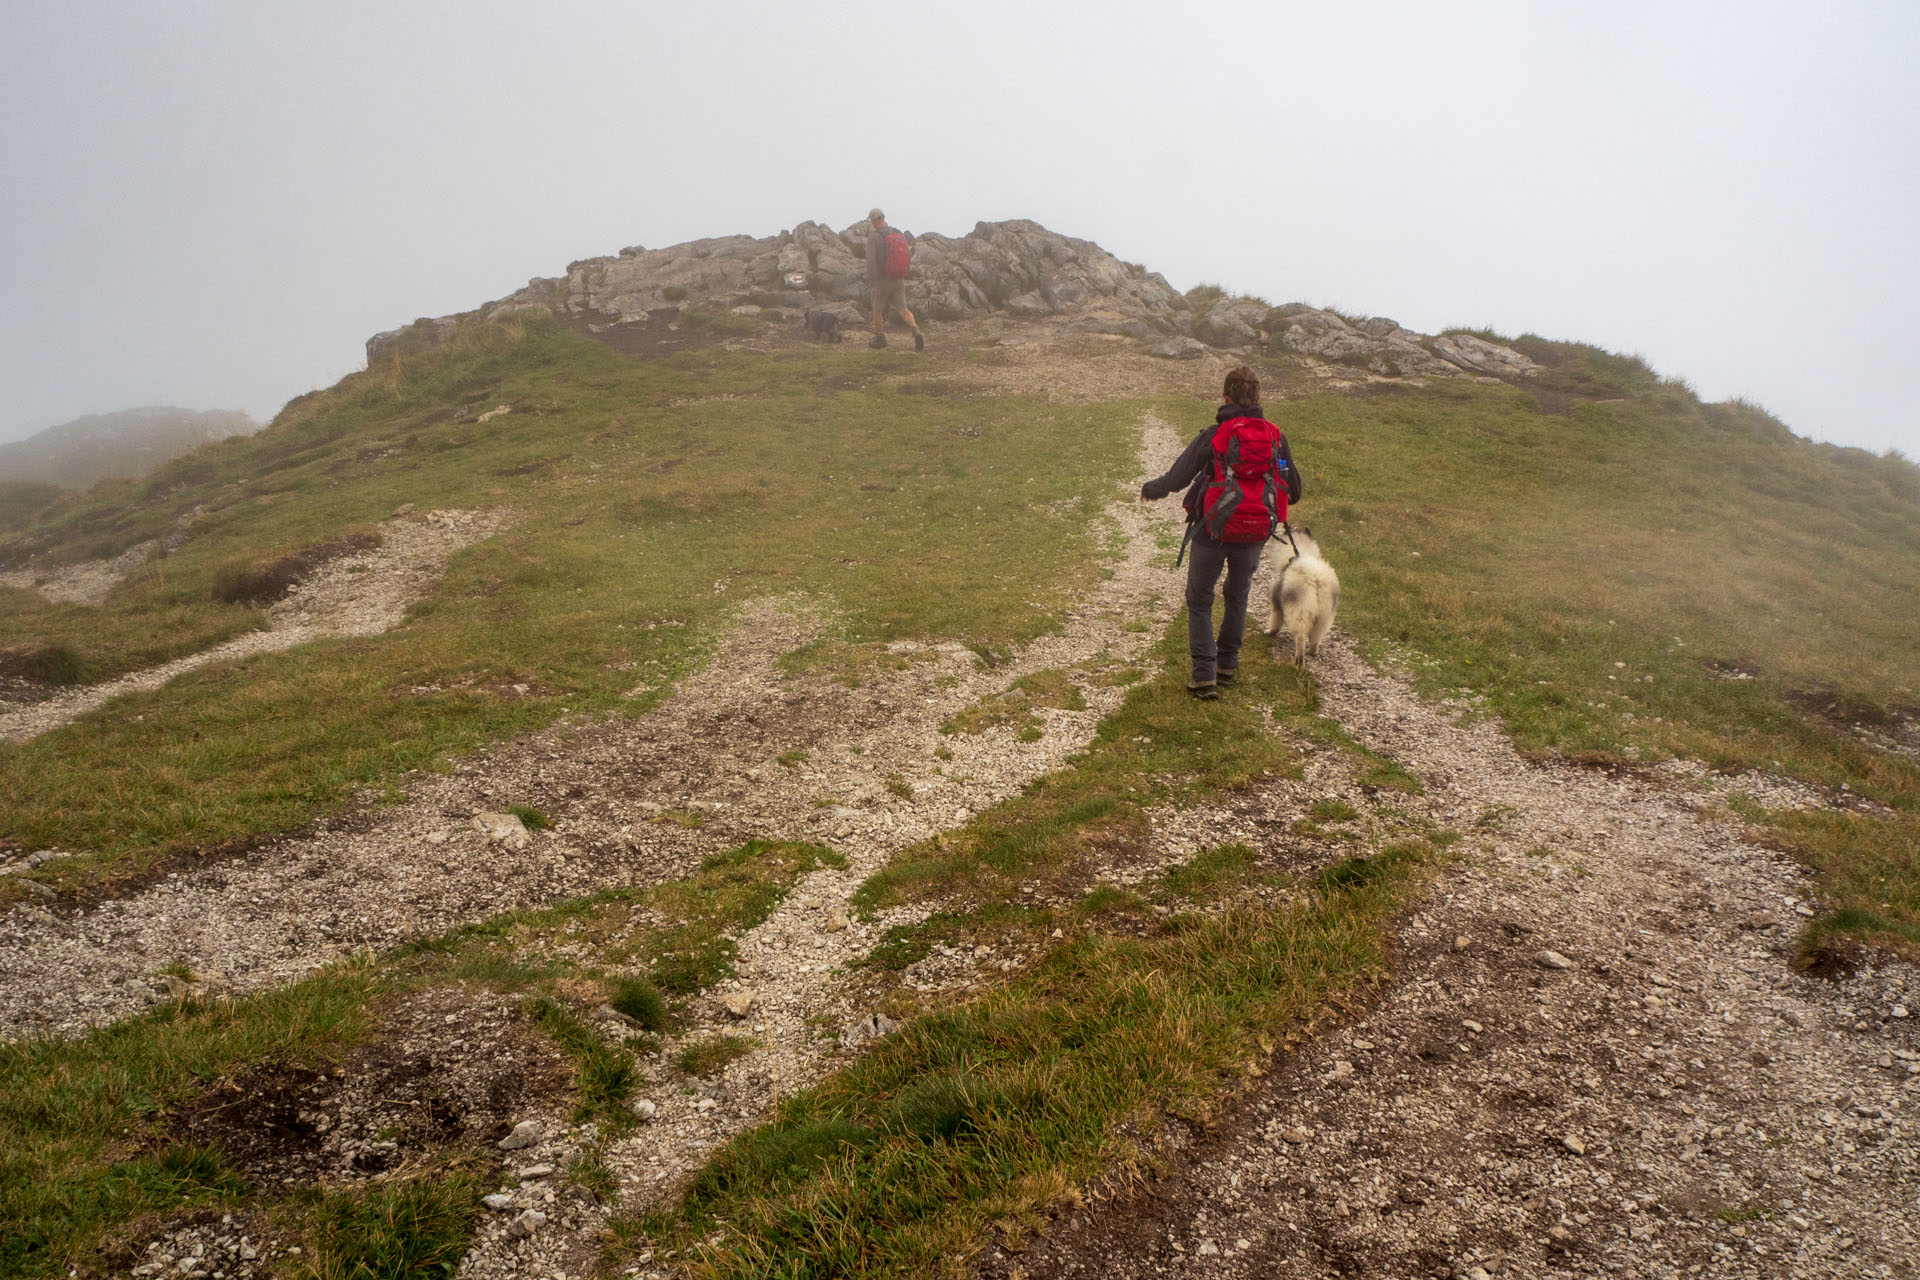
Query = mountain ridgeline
x=125 y=444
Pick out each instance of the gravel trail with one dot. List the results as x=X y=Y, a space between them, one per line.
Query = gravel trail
x=356 y=595
x=1592 y=1058
x=620 y=794
x=87 y=583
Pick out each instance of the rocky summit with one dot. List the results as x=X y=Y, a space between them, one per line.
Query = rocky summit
x=1016 y=268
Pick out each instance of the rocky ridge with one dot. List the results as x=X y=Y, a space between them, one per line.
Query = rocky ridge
x=1016 y=268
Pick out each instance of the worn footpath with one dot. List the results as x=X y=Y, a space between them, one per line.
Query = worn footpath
x=356 y=595
x=1593 y=1058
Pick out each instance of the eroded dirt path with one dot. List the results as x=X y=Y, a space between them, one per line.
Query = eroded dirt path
x=88 y=583
x=1592 y=1059
x=620 y=795
x=356 y=595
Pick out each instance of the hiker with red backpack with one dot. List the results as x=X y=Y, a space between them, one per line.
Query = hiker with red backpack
x=888 y=258
x=1240 y=477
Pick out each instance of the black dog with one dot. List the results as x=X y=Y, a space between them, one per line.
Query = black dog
x=823 y=326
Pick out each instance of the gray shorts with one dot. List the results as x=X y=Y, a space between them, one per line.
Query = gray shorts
x=889 y=294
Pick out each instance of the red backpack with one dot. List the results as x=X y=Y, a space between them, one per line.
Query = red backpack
x=1246 y=499
x=893 y=264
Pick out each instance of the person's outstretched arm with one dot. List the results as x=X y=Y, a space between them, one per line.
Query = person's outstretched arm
x=1184 y=469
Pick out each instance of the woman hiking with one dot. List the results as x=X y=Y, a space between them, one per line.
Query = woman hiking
x=1239 y=476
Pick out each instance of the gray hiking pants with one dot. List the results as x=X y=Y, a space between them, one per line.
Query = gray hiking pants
x=1241 y=560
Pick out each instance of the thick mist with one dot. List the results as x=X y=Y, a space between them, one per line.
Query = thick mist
x=213 y=204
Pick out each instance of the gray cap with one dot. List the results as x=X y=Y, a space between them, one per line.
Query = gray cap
x=874 y=215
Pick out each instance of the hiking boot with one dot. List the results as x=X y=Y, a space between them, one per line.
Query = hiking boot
x=1226 y=675
x=1205 y=692
x=879 y=341
x=919 y=342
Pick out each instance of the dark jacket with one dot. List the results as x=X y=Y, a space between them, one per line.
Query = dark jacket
x=1193 y=469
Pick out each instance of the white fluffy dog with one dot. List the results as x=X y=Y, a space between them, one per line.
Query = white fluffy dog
x=1304 y=598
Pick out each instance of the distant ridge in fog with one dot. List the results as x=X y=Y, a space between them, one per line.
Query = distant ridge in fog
x=128 y=443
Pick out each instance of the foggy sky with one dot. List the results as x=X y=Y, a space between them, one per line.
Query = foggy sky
x=214 y=205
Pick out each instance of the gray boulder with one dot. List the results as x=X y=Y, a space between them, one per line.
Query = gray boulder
x=1477 y=355
x=1376 y=344
x=1179 y=349
x=1233 y=322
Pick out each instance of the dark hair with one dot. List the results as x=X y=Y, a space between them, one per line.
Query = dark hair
x=1243 y=386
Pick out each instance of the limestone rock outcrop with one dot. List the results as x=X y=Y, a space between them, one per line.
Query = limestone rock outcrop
x=1014 y=268
x=1381 y=346
x=1018 y=267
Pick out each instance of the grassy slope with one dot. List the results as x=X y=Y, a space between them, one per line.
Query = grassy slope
x=1649 y=531
x=1594 y=577
x=649 y=498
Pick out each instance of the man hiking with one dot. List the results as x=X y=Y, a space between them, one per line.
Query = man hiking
x=1242 y=477
x=887 y=257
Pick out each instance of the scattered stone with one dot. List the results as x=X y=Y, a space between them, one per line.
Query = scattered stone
x=1550 y=959
x=525 y=1134
x=1573 y=1143
x=871 y=1027
x=1208 y=1249
x=1296 y=1135
x=740 y=1003
x=645 y=1109
x=528 y=1223
x=837 y=922
x=1462 y=942
x=1178 y=349
x=503 y=828
x=499 y=1201
x=535 y=1171
x=1898 y=1011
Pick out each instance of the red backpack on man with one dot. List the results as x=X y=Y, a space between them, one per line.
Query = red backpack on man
x=897 y=256
x=1246 y=501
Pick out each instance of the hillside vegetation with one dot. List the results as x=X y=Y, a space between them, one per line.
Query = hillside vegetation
x=1622 y=575
x=647 y=499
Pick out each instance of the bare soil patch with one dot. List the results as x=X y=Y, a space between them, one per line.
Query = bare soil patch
x=447 y=1069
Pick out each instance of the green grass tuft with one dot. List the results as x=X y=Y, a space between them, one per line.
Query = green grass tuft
x=418 y=1228
x=640 y=1000
x=708 y=1057
x=530 y=817
x=604 y=1077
